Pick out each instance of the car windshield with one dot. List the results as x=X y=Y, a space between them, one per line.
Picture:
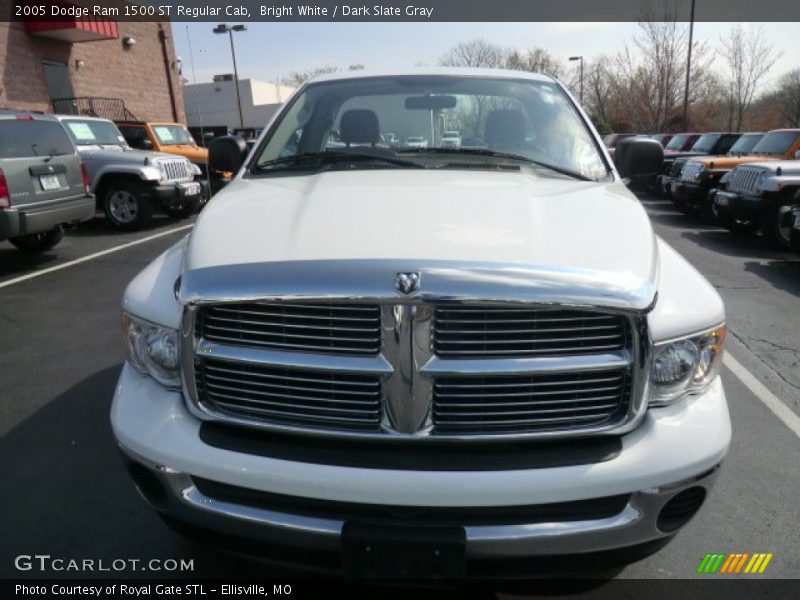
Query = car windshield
x=746 y=143
x=677 y=142
x=86 y=132
x=520 y=123
x=706 y=142
x=170 y=135
x=776 y=142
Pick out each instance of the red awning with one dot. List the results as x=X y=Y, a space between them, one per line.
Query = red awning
x=73 y=29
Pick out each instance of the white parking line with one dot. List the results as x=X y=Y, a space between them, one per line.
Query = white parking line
x=760 y=391
x=89 y=257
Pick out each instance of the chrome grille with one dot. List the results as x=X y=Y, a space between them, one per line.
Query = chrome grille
x=290 y=396
x=745 y=179
x=522 y=332
x=176 y=170
x=691 y=171
x=530 y=403
x=323 y=328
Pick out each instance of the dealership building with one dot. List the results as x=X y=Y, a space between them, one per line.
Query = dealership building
x=91 y=64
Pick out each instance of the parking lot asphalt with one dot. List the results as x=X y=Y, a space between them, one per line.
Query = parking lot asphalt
x=65 y=491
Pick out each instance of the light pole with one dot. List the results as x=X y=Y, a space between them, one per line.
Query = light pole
x=229 y=29
x=580 y=58
x=688 y=72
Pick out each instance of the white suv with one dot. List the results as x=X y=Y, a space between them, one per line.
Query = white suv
x=426 y=361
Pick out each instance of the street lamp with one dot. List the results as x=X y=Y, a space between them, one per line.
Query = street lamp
x=580 y=58
x=229 y=29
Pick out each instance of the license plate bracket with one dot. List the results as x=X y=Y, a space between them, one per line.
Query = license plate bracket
x=191 y=189
x=722 y=200
x=380 y=551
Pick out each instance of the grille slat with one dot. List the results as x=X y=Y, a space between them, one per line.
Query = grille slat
x=328 y=328
x=745 y=179
x=511 y=332
x=540 y=402
x=295 y=397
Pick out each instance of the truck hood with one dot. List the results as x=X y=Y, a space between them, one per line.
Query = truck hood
x=726 y=163
x=560 y=229
x=119 y=154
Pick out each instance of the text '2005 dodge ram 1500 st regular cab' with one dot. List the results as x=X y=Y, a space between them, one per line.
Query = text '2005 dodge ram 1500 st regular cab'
x=410 y=361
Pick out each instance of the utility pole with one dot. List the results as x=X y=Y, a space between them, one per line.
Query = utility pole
x=223 y=28
x=688 y=72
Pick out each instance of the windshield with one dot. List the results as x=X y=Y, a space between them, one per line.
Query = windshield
x=677 y=142
x=777 y=142
x=706 y=142
x=746 y=143
x=169 y=135
x=532 y=122
x=86 y=132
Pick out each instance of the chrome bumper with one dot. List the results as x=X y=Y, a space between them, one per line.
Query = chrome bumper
x=636 y=524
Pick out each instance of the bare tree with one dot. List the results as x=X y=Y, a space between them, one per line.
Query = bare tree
x=534 y=60
x=788 y=98
x=749 y=56
x=297 y=78
x=475 y=53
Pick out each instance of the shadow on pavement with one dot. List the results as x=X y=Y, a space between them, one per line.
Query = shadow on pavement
x=65 y=493
x=14 y=262
x=100 y=226
x=782 y=274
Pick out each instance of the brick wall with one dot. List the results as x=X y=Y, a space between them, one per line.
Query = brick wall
x=137 y=75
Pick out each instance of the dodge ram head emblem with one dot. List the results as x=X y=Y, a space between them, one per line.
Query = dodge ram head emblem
x=406 y=283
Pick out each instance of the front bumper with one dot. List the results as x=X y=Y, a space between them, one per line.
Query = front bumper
x=179 y=192
x=676 y=448
x=743 y=206
x=689 y=193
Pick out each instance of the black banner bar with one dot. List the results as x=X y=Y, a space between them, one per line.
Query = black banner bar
x=402 y=10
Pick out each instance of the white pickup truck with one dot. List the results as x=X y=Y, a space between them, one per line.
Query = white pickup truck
x=433 y=361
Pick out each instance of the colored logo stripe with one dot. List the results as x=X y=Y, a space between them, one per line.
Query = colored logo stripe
x=734 y=562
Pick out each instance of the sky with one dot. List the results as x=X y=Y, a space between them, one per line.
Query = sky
x=270 y=51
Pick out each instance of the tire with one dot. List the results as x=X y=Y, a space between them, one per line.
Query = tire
x=187 y=209
x=777 y=226
x=126 y=207
x=38 y=242
x=796 y=240
x=681 y=205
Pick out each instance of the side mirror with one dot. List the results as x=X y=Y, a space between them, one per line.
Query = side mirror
x=638 y=157
x=146 y=144
x=226 y=153
x=797 y=154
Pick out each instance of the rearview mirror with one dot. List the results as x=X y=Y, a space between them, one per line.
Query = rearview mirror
x=226 y=153
x=638 y=157
x=430 y=102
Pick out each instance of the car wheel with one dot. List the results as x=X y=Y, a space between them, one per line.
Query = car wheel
x=681 y=205
x=777 y=226
x=795 y=238
x=38 y=242
x=126 y=207
x=182 y=211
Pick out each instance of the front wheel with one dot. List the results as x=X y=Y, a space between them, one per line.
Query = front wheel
x=38 y=242
x=126 y=207
x=777 y=226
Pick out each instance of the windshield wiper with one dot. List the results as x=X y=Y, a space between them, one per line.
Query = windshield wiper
x=321 y=158
x=496 y=154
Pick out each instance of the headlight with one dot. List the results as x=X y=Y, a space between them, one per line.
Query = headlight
x=153 y=350
x=195 y=169
x=685 y=366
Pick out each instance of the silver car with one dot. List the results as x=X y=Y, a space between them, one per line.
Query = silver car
x=43 y=184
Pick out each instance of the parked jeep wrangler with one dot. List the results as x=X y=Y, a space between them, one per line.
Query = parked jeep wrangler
x=425 y=362
x=43 y=184
x=690 y=180
x=130 y=184
x=705 y=144
x=761 y=195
